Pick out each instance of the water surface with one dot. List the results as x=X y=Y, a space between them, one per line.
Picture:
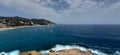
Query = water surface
x=105 y=38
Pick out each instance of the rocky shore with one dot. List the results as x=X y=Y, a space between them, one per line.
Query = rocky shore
x=60 y=52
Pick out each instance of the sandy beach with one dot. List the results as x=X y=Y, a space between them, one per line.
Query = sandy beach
x=17 y=27
x=10 y=28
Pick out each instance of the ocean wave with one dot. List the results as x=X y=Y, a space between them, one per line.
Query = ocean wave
x=117 y=53
x=63 y=47
x=15 y=52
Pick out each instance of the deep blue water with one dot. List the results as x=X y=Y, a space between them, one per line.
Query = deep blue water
x=105 y=38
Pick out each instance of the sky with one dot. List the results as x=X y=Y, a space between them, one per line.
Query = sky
x=64 y=11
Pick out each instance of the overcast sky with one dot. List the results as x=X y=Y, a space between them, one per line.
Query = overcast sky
x=65 y=11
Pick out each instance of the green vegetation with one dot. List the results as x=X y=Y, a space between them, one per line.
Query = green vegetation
x=19 y=21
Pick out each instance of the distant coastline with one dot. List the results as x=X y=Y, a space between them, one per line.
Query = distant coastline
x=8 y=23
x=17 y=27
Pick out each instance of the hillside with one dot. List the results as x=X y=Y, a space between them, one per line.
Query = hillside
x=20 y=21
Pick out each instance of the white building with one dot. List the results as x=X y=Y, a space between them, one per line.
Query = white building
x=2 y=24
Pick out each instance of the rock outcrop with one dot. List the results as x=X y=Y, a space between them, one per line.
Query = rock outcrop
x=61 y=52
x=70 y=52
x=31 y=53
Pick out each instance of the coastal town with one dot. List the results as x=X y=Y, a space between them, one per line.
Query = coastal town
x=19 y=22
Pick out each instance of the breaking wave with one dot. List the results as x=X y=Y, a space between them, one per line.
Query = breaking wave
x=15 y=52
x=63 y=47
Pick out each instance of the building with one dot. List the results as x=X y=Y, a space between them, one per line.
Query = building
x=2 y=23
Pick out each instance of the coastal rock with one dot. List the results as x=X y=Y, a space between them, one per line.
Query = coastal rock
x=51 y=51
x=70 y=52
x=31 y=53
x=60 y=52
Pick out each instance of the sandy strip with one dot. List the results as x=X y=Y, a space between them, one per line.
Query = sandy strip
x=1 y=29
x=17 y=27
x=10 y=28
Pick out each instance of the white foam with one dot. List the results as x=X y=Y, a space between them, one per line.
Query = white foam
x=3 y=53
x=117 y=53
x=16 y=52
x=44 y=51
x=63 y=47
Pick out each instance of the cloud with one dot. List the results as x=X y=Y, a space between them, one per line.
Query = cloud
x=30 y=7
x=76 y=11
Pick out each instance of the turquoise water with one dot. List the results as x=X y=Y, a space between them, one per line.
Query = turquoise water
x=104 y=38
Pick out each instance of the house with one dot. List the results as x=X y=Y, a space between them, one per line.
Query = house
x=2 y=23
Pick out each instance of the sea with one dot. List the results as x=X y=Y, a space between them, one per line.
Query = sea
x=99 y=39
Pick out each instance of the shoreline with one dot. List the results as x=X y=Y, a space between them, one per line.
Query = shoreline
x=17 y=27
